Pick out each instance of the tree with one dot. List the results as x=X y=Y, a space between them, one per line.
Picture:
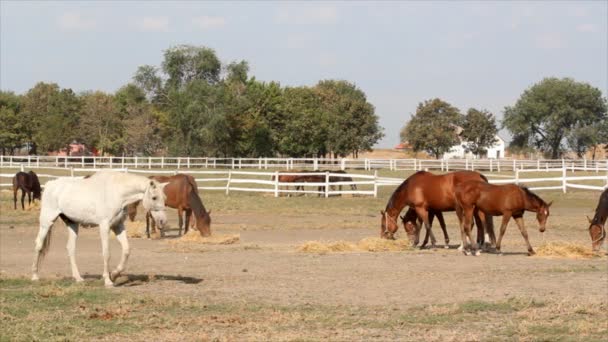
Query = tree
x=479 y=131
x=101 y=124
x=553 y=110
x=186 y=63
x=433 y=128
x=12 y=129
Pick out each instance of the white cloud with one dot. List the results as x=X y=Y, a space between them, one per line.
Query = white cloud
x=586 y=28
x=74 y=21
x=307 y=16
x=549 y=41
x=206 y=22
x=153 y=24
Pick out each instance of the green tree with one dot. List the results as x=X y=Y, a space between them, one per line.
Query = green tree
x=479 y=131
x=305 y=127
x=433 y=127
x=12 y=129
x=186 y=63
x=101 y=123
x=554 y=112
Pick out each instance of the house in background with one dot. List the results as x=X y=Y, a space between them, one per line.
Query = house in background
x=496 y=151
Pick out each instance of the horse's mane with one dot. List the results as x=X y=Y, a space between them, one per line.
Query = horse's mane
x=35 y=182
x=529 y=193
x=601 y=212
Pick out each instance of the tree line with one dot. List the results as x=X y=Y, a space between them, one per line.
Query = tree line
x=193 y=105
x=553 y=116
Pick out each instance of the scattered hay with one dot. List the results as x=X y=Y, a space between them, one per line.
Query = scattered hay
x=365 y=245
x=135 y=229
x=565 y=250
x=218 y=239
x=34 y=206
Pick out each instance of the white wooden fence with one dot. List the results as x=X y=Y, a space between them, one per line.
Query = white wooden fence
x=492 y=165
x=367 y=184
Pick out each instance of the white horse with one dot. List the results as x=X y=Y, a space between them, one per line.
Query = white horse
x=99 y=199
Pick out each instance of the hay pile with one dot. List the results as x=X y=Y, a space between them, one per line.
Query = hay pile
x=135 y=229
x=365 y=245
x=565 y=250
x=34 y=206
x=193 y=236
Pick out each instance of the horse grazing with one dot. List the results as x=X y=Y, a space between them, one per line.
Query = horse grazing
x=413 y=224
x=99 y=199
x=182 y=194
x=508 y=200
x=424 y=192
x=597 y=225
x=28 y=183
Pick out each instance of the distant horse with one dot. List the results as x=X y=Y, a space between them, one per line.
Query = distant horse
x=424 y=191
x=99 y=199
x=413 y=224
x=508 y=200
x=287 y=179
x=28 y=183
x=597 y=225
x=182 y=194
x=339 y=179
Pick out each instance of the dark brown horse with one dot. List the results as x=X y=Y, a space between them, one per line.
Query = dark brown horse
x=28 y=183
x=182 y=194
x=413 y=224
x=597 y=225
x=424 y=191
x=508 y=200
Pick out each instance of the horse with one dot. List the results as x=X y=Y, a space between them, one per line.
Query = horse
x=424 y=191
x=336 y=179
x=597 y=225
x=412 y=225
x=287 y=179
x=28 y=183
x=508 y=200
x=182 y=194
x=100 y=199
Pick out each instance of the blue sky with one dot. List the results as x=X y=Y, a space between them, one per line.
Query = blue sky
x=469 y=53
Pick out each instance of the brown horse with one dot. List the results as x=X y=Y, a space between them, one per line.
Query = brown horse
x=424 y=191
x=508 y=200
x=181 y=194
x=413 y=224
x=597 y=225
x=28 y=183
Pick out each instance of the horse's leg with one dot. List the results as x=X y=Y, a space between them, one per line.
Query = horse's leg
x=520 y=223
x=148 y=224
x=468 y=228
x=489 y=226
x=431 y=218
x=443 y=228
x=71 y=247
x=503 y=228
x=121 y=236
x=15 y=190
x=104 y=233
x=180 y=219
x=424 y=215
x=482 y=233
x=22 y=199
x=188 y=213
x=480 y=227
x=29 y=199
x=43 y=239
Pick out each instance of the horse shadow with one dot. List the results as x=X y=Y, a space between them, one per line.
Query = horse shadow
x=141 y=279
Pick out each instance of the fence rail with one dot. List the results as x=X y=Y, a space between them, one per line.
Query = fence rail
x=492 y=165
x=333 y=184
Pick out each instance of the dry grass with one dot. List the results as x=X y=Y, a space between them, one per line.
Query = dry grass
x=135 y=229
x=565 y=250
x=365 y=245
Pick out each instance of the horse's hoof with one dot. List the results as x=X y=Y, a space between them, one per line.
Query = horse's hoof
x=466 y=253
x=531 y=253
x=477 y=253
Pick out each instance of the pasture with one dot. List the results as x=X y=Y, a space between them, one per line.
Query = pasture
x=265 y=288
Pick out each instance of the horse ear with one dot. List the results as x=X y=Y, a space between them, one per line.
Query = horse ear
x=382 y=212
x=209 y=212
x=162 y=185
x=549 y=204
x=588 y=219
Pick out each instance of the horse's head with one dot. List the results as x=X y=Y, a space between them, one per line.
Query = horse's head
x=204 y=225
x=411 y=229
x=154 y=201
x=597 y=232
x=542 y=214
x=388 y=226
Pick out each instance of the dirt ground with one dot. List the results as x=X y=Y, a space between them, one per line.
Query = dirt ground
x=265 y=266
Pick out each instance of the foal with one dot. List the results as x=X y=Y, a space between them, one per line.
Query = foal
x=508 y=200
x=28 y=183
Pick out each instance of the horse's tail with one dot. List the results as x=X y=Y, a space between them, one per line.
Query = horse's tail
x=198 y=209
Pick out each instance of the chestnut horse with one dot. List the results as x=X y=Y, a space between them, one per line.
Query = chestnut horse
x=424 y=191
x=413 y=224
x=597 y=225
x=182 y=194
x=28 y=183
x=508 y=200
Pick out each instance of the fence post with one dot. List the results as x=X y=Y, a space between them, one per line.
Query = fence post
x=498 y=165
x=149 y=162
x=178 y=162
x=259 y=163
x=585 y=162
x=65 y=162
x=538 y=164
x=514 y=165
x=1 y=161
x=375 y=183
x=516 y=176
x=29 y=161
x=466 y=164
x=94 y=162
x=228 y=183
x=265 y=163
x=22 y=169
x=563 y=163
x=111 y=160
x=276 y=184
x=343 y=164
x=162 y=162
x=315 y=164
x=564 y=179
x=122 y=162
x=326 y=184
x=136 y=162
x=491 y=168
x=188 y=162
x=71 y=171
x=56 y=161
x=447 y=165
x=38 y=161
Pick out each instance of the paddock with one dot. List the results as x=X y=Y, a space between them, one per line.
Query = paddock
x=264 y=288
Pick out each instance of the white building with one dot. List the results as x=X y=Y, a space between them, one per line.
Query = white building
x=496 y=151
